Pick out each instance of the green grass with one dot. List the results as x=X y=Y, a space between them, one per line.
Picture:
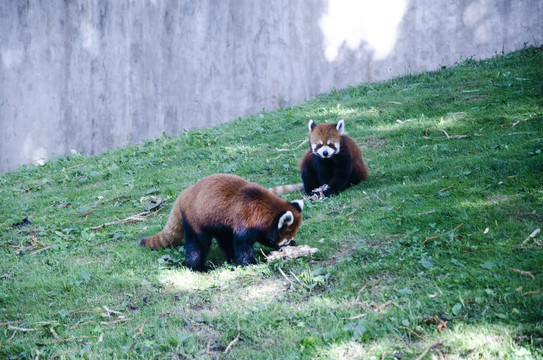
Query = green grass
x=436 y=232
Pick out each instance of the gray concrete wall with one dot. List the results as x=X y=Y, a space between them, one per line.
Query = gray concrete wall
x=92 y=75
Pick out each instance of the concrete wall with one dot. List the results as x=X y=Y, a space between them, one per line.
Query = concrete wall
x=91 y=75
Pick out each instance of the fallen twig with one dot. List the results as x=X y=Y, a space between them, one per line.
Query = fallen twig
x=530 y=293
x=35 y=247
x=540 y=218
x=140 y=330
x=445 y=189
x=441 y=324
x=365 y=286
x=78 y=324
x=412 y=332
x=11 y=327
x=433 y=347
x=131 y=219
x=515 y=123
x=356 y=316
x=532 y=235
x=445 y=233
x=380 y=308
x=232 y=342
x=522 y=272
x=302 y=143
x=282 y=273
x=444 y=132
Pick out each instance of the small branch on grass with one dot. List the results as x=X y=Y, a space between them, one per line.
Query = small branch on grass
x=356 y=316
x=531 y=236
x=79 y=324
x=365 y=286
x=540 y=218
x=515 y=123
x=444 y=132
x=131 y=219
x=232 y=342
x=436 y=346
x=380 y=308
x=530 y=293
x=66 y=340
x=378 y=198
x=445 y=233
x=445 y=189
x=441 y=324
x=282 y=273
x=109 y=312
x=412 y=332
x=10 y=327
x=426 y=212
x=140 y=330
x=297 y=147
x=35 y=247
x=522 y=272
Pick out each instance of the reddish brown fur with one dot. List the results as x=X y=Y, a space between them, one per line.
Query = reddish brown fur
x=223 y=200
x=345 y=168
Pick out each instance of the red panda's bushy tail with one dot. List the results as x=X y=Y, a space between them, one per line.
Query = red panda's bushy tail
x=285 y=189
x=171 y=235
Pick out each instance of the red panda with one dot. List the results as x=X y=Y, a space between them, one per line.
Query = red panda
x=235 y=212
x=285 y=189
x=333 y=158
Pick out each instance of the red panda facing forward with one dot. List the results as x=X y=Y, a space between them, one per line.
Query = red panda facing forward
x=334 y=158
x=235 y=212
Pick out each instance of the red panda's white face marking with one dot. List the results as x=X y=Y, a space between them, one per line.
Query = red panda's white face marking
x=325 y=139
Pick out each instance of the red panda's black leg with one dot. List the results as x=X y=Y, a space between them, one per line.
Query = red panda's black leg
x=243 y=249
x=196 y=248
x=309 y=178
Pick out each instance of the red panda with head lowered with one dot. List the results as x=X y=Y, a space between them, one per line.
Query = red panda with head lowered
x=333 y=158
x=236 y=212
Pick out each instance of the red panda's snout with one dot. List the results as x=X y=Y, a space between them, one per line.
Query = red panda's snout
x=325 y=151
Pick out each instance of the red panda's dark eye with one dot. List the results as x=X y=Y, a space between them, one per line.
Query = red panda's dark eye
x=319 y=146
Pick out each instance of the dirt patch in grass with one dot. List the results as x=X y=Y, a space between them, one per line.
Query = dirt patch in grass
x=374 y=142
x=346 y=250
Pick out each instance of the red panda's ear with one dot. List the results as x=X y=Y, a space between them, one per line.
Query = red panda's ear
x=298 y=205
x=287 y=218
x=311 y=125
x=341 y=126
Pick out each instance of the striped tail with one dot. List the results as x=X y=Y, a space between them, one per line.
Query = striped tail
x=171 y=235
x=285 y=189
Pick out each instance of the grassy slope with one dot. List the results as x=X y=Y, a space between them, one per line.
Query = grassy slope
x=436 y=231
